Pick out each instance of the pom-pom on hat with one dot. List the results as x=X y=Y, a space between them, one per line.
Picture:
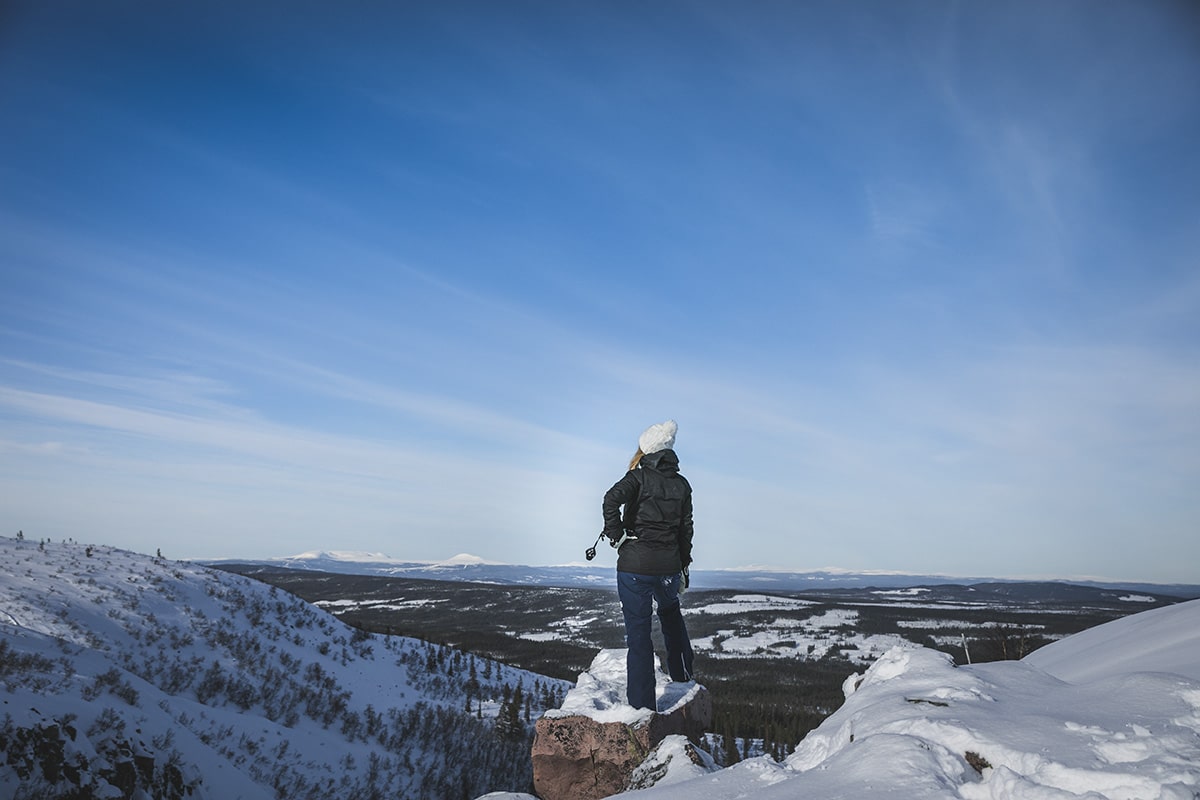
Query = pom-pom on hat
x=658 y=437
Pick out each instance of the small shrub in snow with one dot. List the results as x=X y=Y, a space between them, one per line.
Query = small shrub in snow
x=977 y=762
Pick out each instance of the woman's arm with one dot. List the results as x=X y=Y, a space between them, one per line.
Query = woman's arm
x=622 y=492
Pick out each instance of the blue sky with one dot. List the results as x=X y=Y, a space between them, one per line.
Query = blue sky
x=919 y=281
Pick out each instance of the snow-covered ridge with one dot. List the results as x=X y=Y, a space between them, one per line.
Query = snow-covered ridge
x=1126 y=727
x=352 y=557
x=349 y=556
x=465 y=559
x=231 y=688
x=915 y=726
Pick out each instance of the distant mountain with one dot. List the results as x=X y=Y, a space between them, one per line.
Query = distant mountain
x=130 y=676
x=1008 y=594
x=462 y=567
x=465 y=567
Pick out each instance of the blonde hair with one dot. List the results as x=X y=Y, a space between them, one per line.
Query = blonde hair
x=637 y=457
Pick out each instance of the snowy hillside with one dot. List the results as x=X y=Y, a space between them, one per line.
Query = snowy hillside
x=121 y=672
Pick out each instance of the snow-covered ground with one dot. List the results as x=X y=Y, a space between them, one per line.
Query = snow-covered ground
x=812 y=638
x=1111 y=713
x=209 y=680
x=743 y=603
x=113 y=663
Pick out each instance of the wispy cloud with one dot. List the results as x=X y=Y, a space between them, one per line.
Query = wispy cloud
x=909 y=278
x=906 y=218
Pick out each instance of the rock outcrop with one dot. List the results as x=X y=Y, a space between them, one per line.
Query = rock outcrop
x=590 y=747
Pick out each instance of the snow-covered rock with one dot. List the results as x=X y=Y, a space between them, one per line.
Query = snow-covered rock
x=591 y=746
x=600 y=693
x=675 y=759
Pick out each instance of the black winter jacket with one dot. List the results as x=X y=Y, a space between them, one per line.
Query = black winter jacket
x=658 y=510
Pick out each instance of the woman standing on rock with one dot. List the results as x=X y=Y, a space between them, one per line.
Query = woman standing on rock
x=654 y=548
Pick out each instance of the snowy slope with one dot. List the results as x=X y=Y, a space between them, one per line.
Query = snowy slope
x=1162 y=640
x=120 y=669
x=915 y=726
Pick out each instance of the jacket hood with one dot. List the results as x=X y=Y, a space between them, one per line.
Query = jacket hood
x=663 y=461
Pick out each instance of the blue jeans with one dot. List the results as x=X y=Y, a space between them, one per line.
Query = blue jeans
x=637 y=592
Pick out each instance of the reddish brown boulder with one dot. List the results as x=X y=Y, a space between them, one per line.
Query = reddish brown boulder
x=588 y=750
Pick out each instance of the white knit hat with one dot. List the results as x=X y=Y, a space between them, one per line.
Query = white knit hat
x=658 y=437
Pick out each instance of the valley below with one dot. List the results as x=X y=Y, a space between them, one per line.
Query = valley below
x=774 y=662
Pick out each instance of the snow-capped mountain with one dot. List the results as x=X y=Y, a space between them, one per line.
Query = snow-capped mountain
x=124 y=673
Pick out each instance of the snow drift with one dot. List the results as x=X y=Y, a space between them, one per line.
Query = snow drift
x=1162 y=640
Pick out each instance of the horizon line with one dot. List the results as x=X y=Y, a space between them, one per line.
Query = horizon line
x=467 y=560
